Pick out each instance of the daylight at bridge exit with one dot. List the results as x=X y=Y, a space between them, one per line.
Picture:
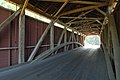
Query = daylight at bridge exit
x=59 y=39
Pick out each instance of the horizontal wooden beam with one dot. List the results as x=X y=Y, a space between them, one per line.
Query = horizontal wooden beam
x=90 y=32
x=88 y=18
x=87 y=26
x=75 y=2
x=26 y=47
x=89 y=29
x=81 y=21
x=81 y=9
x=89 y=23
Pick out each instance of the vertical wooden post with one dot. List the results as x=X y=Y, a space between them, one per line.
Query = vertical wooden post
x=77 y=37
x=69 y=40
x=116 y=45
x=108 y=46
x=75 y=40
x=52 y=37
x=109 y=65
x=21 y=38
x=106 y=36
x=65 y=38
x=103 y=37
x=82 y=40
x=72 y=38
x=22 y=33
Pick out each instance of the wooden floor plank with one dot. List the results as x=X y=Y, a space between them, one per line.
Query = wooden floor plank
x=78 y=64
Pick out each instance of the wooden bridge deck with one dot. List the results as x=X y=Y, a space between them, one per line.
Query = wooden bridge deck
x=77 y=64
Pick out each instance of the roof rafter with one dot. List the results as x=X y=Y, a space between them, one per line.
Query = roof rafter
x=75 y=2
x=83 y=14
x=88 y=18
x=102 y=12
x=81 y=9
x=91 y=25
x=65 y=3
x=89 y=29
x=88 y=23
x=24 y=6
x=75 y=22
x=99 y=22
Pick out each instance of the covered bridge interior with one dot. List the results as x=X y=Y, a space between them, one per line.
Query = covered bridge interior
x=44 y=40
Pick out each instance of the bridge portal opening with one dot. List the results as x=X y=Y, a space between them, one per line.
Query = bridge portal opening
x=92 y=41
